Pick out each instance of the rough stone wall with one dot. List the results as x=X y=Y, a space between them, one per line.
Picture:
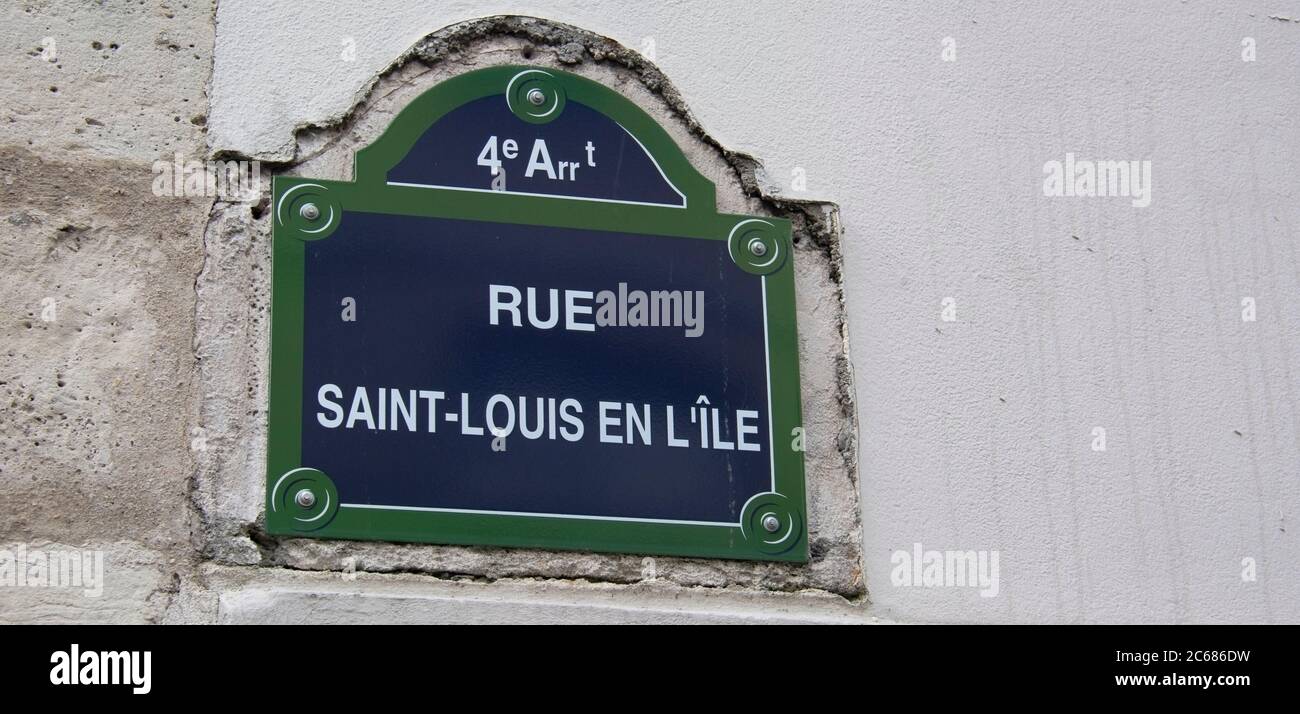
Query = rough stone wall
x=97 y=379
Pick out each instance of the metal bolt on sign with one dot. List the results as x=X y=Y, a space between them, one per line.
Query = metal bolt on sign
x=305 y=498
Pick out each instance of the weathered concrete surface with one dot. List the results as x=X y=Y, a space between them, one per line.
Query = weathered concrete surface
x=138 y=587
x=97 y=275
x=116 y=80
x=97 y=376
x=233 y=324
x=321 y=599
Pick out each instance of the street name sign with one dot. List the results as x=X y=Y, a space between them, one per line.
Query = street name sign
x=524 y=323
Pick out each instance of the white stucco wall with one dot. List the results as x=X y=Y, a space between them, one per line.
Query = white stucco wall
x=1071 y=313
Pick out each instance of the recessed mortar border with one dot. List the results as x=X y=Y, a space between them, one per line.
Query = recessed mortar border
x=239 y=233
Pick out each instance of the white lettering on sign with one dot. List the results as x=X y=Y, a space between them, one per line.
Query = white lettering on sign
x=584 y=311
x=698 y=426
x=495 y=152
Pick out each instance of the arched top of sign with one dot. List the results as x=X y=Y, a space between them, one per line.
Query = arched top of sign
x=539 y=132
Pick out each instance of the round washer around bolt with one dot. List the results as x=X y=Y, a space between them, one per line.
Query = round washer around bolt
x=771 y=523
x=309 y=211
x=536 y=97
x=758 y=247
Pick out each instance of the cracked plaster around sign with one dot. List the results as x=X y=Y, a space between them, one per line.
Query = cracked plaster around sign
x=325 y=149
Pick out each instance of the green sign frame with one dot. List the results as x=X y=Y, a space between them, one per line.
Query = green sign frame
x=323 y=516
